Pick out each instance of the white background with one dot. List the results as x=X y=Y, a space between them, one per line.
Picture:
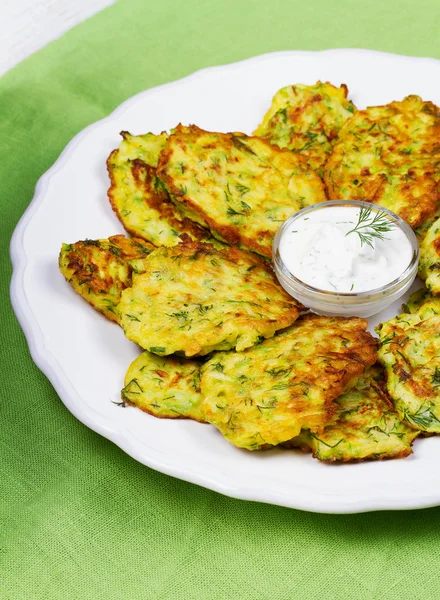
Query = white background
x=28 y=25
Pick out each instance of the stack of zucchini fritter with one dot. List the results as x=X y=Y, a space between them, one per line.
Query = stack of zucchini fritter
x=223 y=343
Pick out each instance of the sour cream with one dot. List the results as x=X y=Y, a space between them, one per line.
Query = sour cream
x=319 y=251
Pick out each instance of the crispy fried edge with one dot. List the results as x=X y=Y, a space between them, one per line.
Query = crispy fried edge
x=161 y=202
x=115 y=239
x=126 y=402
x=357 y=366
x=380 y=389
x=227 y=233
x=358 y=362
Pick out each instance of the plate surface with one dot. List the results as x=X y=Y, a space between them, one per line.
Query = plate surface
x=85 y=356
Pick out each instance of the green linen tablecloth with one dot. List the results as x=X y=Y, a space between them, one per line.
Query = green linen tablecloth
x=79 y=518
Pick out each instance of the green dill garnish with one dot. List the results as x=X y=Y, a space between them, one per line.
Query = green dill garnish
x=280 y=386
x=204 y=309
x=435 y=380
x=315 y=437
x=240 y=145
x=157 y=349
x=283 y=113
x=244 y=302
x=231 y=212
x=141 y=249
x=377 y=428
x=242 y=189
x=387 y=340
x=279 y=372
x=132 y=318
x=423 y=418
x=128 y=389
x=121 y=403
x=311 y=138
x=275 y=220
x=311 y=135
x=181 y=314
x=369 y=227
x=404 y=358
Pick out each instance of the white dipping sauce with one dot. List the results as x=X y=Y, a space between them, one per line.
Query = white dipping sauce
x=317 y=250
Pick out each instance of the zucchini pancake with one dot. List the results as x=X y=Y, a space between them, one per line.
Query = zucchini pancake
x=166 y=386
x=364 y=425
x=193 y=299
x=100 y=269
x=410 y=352
x=265 y=395
x=138 y=197
x=239 y=187
x=306 y=119
x=389 y=155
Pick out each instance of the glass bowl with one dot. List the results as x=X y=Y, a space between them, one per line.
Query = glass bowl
x=347 y=304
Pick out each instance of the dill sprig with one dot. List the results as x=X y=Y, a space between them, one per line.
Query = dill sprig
x=369 y=226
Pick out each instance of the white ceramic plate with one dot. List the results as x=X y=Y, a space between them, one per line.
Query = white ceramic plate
x=85 y=356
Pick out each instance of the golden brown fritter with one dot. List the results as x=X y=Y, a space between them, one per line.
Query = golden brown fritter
x=138 y=197
x=389 y=155
x=410 y=352
x=164 y=386
x=100 y=269
x=265 y=395
x=306 y=119
x=193 y=299
x=239 y=187
x=364 y=426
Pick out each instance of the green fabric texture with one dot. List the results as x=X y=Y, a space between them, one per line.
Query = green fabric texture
x=80 y=519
